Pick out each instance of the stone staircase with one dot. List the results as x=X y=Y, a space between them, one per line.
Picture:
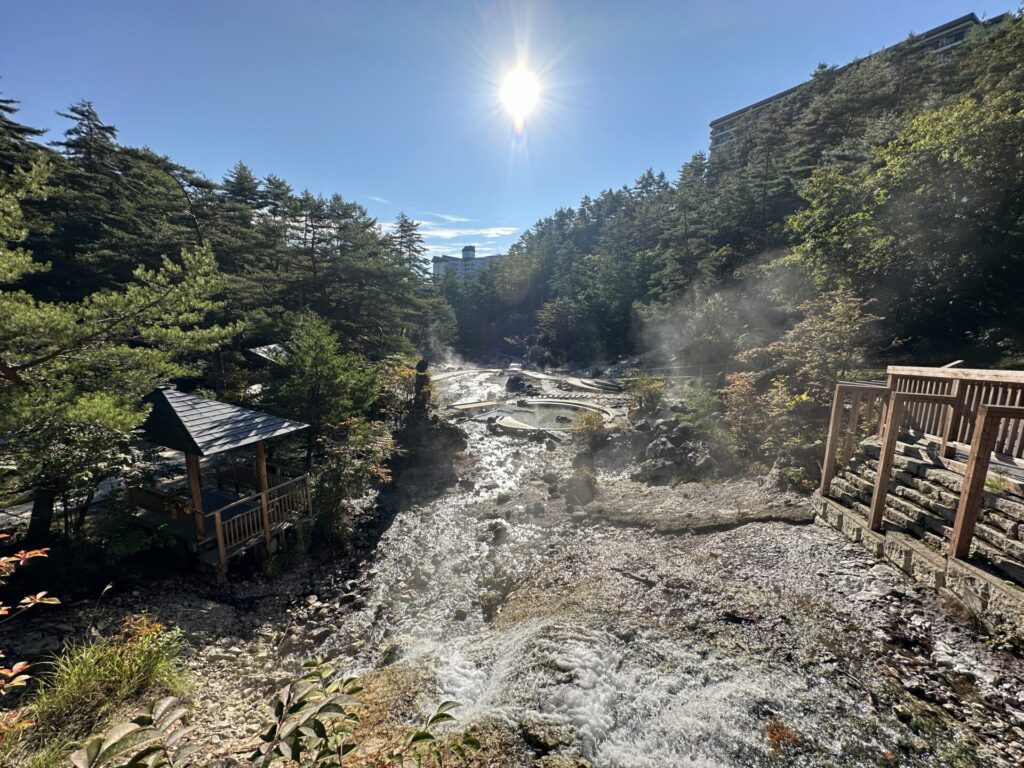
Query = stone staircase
x=922 y=501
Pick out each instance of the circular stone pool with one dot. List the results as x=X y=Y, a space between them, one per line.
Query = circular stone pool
x=532 y=414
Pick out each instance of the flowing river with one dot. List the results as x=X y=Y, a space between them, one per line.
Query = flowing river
x=644 y=643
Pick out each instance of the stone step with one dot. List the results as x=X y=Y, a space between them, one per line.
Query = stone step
x=898 y=512
x=933 y=493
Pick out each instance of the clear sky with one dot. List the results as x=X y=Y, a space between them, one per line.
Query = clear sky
x=395 y=104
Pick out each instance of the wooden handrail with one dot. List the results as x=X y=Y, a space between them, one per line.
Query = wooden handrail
x=969 y=374
x=860 y=392
x=276 y=505
x=255 y=496
x=973 y=490
x=972 y=388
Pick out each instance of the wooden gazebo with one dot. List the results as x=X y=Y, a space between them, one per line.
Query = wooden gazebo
x=223 y=524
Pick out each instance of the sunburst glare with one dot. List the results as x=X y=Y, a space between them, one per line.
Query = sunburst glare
x=520 y=91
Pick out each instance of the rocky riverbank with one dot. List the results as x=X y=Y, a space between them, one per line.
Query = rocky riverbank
x=695 y=624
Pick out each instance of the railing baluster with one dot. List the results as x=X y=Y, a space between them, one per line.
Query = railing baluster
x=851 y=427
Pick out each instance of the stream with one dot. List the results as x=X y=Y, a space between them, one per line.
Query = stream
x=650 y=649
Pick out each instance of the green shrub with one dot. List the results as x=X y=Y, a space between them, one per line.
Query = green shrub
x=590 y=430
x=313 y=726
x=89 y=683
x=333 y=527
x=646 y=391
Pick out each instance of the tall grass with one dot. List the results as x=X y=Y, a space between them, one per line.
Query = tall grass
x=87 y=684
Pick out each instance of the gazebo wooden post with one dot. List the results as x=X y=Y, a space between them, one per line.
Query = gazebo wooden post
x=195 y=487
x=261 y=475
x=222 y=555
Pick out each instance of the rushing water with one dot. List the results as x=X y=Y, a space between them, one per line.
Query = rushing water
x=657 y=650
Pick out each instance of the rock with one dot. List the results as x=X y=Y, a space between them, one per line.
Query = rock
x=544 y=734
x=660 y=448
x=322 y=635
x=583 y=460
x=460 y=614
x=664 y=426
x=355 y=647
x=504 y=497
x=642 y=426
x=656 y=472
x=288 y=645
x=550 y=477
x=550 y=445
x=581 y=488
x=467 y=484
x=499 y=532
x=943 y=660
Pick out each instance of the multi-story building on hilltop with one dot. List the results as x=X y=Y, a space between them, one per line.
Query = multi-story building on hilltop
x=467 y=265
x=938 y=40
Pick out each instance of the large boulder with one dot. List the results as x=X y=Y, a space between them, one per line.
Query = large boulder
x=661 y=448
x=664 y=426
x=583 y=460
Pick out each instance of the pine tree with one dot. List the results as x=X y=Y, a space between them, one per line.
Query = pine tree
x=17 y=148
x=72 y=374
x=408 y=243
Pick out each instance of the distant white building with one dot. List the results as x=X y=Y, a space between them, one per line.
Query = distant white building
x=467 y=265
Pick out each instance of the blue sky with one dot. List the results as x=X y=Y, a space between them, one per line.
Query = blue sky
x=395 y=104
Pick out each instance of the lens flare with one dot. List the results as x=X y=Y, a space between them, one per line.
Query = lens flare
x=519 y=93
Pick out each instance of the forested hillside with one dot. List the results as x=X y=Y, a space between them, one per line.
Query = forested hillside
x=899 y=179
x=122 y=269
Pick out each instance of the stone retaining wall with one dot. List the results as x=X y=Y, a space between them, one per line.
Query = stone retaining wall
x=998 y=603
x=922 y=502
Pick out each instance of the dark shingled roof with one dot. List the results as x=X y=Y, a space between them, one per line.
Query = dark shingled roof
x=204 y=427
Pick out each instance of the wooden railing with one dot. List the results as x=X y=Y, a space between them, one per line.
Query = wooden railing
x=991 y=421
x=292 y=500
x=260 y=513
x=900 y=403
x=981 y=411
x=851 y=421
x=970 y=389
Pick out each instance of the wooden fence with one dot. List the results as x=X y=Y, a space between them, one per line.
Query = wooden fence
x=973 y=410
x=970 y=389
x=238 y=524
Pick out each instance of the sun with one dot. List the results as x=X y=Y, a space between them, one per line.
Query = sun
x=519 y=93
